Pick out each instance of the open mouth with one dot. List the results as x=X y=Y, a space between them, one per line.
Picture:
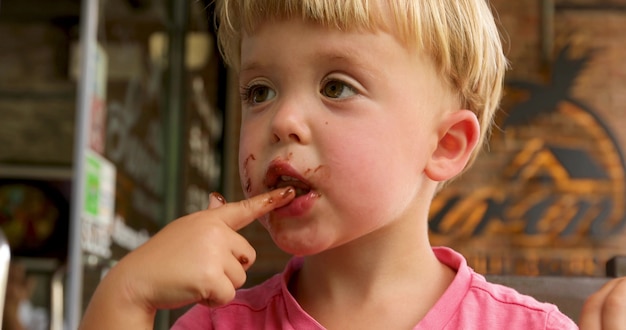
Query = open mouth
x=280 y=175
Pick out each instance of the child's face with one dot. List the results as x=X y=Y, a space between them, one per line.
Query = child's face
x=351 y=116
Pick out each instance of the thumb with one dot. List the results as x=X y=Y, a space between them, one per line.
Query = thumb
x=216 y=200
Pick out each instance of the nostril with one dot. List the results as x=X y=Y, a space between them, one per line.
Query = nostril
x=294 y=137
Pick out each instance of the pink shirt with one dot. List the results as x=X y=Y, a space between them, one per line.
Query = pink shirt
x=470 y=302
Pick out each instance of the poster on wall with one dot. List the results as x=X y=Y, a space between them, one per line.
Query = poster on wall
x=97 y=212
x=97 y=98
x=97 y=133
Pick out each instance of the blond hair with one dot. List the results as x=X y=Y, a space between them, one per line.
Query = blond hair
x=461 y=37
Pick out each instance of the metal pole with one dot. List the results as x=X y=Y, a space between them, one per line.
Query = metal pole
x=175 y=111
x=88 y=42
x=174 y=120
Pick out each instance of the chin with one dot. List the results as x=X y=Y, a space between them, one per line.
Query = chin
x=297 y=246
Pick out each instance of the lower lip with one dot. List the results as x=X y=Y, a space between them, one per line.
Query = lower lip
x=300 y=206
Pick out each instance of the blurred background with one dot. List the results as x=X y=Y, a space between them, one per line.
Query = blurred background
x=118 y=116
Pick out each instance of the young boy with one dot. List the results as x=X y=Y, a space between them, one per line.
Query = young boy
x=354 y=113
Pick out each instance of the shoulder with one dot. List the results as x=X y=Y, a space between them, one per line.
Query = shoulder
x=484 y=305
x=509 y=307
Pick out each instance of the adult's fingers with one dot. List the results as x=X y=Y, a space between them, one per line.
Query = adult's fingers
x=606 y=308
x=239 y=214
x=591 y=314
x=614 y=307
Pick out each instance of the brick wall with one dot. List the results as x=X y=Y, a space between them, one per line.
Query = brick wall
x=548 y=197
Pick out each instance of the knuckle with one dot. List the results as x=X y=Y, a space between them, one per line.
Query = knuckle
x=247 y=204
x=218 y=295
x=214 y=230
x=240 y=280
x=252 y=256
x=220 y=299
x=211 y=275
x=229 y=295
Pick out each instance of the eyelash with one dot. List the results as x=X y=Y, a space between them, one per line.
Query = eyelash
x=246 y=92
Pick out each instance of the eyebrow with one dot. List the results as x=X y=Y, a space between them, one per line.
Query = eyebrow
x=346 y=54
x=351 y=57
x=250 y=67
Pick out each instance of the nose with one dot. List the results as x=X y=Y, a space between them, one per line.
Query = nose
x=290 y=123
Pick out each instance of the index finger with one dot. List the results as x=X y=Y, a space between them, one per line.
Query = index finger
x=239 y=214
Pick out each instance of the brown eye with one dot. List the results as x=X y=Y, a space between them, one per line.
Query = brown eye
x=336 y=89
x=261 y=94
x=257 y=94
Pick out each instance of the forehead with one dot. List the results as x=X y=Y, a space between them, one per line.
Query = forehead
x=294 y=40
x=239 y=18
x=346 y=14
x=289 y=50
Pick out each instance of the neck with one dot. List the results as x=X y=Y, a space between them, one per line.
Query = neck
x=390 y=265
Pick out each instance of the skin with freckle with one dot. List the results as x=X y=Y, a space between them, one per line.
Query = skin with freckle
x=339 y=163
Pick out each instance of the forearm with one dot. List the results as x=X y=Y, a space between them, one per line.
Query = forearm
x=113 y=306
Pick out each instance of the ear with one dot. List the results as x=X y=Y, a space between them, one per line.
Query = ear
x=458 y=135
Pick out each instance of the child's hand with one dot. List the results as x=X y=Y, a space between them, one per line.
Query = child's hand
x=197 y=258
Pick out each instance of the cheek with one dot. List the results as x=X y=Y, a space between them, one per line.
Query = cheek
x=374 y=171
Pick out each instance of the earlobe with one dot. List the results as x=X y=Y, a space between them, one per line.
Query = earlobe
x=458 y=136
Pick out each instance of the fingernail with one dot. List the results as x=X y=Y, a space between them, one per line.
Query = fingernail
x=218 y=196
x=287 y=192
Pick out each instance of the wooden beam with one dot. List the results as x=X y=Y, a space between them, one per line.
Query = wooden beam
x=39 y=10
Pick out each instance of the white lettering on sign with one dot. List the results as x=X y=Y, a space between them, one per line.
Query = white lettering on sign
x=96 y=239
x=127 y=237
x=202 y=157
